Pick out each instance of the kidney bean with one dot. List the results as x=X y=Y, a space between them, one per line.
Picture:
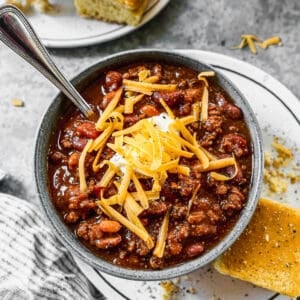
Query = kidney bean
x=88 y=130
x=72 y=217
x=109 y=226
x=108 y=242
x=157 y=70
x=233 y=112
x=87 y=204
x=149 y=110
x=83 y=230
x=107 y=99
x=113 y=80
x=94 y=232
x=185 y=109
x=73 y=160
x=79 y=143
x=203 y=230
x=194 y=249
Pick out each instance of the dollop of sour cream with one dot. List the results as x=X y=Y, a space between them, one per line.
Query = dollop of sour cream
x=119 y=162
x=162 y=121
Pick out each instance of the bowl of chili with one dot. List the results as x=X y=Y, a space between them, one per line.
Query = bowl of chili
x=164 y=180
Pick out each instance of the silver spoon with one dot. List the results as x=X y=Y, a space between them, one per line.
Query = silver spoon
x=18 y=35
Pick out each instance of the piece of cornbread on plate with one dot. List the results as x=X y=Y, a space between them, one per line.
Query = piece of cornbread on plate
x=117 y=11
x=267 y=254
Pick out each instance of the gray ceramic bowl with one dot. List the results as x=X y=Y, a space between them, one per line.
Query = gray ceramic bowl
x=59 y=106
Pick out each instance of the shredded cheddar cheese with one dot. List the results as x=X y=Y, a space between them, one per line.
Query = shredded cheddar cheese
x=152 y=149
x=100 y=125
x=204 y=105
x=167 y=108
x=221 y=177
x=130 y=102
x=252 y=40
x=148 y=87
x=162 y=236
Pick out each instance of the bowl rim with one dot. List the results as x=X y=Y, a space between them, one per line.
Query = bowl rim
x=72 y=243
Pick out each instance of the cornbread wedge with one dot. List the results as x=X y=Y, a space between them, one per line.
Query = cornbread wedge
x=268 y=253
x=117 y=11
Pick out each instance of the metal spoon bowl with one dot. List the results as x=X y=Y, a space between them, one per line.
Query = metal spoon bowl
x=17 y=33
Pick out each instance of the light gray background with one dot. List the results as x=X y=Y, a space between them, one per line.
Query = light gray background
x=184 y=24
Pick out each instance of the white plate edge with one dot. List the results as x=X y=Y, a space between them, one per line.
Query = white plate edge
x=124 y=30
x=231 y=63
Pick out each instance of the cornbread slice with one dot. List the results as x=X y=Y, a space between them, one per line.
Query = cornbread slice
x=268 y=253
x=117 y=11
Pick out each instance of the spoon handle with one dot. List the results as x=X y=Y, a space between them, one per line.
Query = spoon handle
x=17 y=33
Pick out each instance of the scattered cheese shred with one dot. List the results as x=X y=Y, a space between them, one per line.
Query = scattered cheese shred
x=82 y=181
x=217 y=164
x=191 y=201
x=195 y=149
x=206 y=74
x=102 y=138
x=109 y=174
x=150 y=195
x=221 y=177
x=100 y=125
x=204 y=105
x=142 y=194
x=162 y=236
x=275 y=40
x=152 y=79
x=17 y=102
x=144 y=74
x=148 y=87
x=130 y=102
x=131 y=204
x=252 y=40
x=184 y=170
x=189 y=119
x=137 y=222
x=122 y=193
x=167 y=108
x=196 y=111
x=96 y=165
x=202 y=76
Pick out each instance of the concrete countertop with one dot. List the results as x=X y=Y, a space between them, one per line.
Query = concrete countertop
x=212 y=26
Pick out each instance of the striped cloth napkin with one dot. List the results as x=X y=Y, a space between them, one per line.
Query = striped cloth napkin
x=33 y=263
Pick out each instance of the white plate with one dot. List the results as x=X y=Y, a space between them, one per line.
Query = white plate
x=278 y=112
x=67 y=30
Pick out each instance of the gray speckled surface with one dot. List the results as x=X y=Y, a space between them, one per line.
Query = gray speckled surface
x=213 y=26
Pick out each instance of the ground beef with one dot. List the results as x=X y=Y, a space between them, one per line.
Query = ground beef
x=235 y=143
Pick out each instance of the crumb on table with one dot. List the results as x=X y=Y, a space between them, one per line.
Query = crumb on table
x=17 y=102
x=276 y=176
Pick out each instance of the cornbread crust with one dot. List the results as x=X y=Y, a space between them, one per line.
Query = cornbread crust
x=268 y=252
x=117 y=11
x=131 y=4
